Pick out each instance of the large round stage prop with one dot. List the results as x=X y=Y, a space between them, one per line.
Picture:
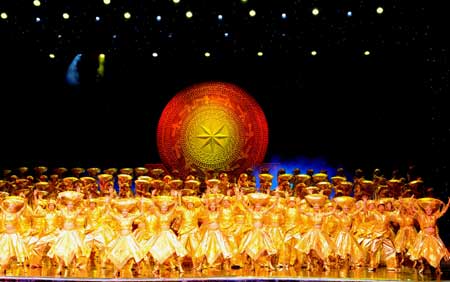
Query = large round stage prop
x=212 y=126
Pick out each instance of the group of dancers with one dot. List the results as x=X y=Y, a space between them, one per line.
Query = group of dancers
x=87 y=221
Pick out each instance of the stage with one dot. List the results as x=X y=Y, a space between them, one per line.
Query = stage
x=94 y=274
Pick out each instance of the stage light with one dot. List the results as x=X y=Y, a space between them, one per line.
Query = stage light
x=207 y=54
x=366 y=53
x=252 y=13
x=97 y=18
x=380 y=10
x=220 y=17
x=51 y=56
x=259 y=54
x=313 y=53
x=106 y=2
x=244 y=1
x=101 y=65
x=189 y=14
x=176 y=1
x=315 y=11
x=283 y=16
x=65 y=16
x=38 y=19
x=349 y=13
x=154 y=54
x=127 y=15
x=158 y=18
x=225 y=34
x=4 y=15
x=37 y=3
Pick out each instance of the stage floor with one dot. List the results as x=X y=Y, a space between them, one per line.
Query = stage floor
x=17 y=273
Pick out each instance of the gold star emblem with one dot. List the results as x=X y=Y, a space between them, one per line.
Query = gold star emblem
x=212 y=137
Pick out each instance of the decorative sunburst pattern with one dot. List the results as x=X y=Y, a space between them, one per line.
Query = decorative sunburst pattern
x=212 y=126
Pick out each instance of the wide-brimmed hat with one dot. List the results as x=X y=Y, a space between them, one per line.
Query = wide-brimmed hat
x=70 y=196
x=345 y=201
x=316 y=199
x=259 y=198
x=429 y=202
x=15 y=202
x=195 y=200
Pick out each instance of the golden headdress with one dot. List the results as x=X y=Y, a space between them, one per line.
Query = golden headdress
x=141 y=170
x=14 y=202
x=105 y=177
x=345 y=201
x=258 y=198
x=302 y=178
x=126 y=170
x=145 y=177
x=42 y=186
x=319 y=177
x=336 y=180
x=191 y=184
x=265 y=177
x=77 y=170
x=196 y=201
x=122 y=204
x=316 y=199
x=86 y=180
x=124 y=178
x=212 y=181
x=70 y=196
x=284 y=177
x=70 y=180
x=164 y=200
x=93 y=170
x=111 y=170
x=428 y=202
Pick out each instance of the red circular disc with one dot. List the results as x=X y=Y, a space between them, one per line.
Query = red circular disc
x=212 y=125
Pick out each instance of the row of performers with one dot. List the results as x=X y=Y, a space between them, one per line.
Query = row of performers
x=294 y=185
x=241 y=231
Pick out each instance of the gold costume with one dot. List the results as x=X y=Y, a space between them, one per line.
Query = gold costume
x=315 y=239
x=124 y=247
x=213 y=243
x=165 y=243
x=428 y=244
x=188 y=231
x=257 y=242
x=68 y=245
x=12 y=244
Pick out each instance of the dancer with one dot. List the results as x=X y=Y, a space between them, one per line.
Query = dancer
x=429 y=245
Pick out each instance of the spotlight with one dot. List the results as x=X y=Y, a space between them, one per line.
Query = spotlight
x=283 y=16
x=4 y=16
x=189 y=14
x=380 y=10
x=220 y=17
x=158 y=18
x=315 y=11
x=252 y=13
x=37 y=3
x=127 y=15
x=65 y=16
